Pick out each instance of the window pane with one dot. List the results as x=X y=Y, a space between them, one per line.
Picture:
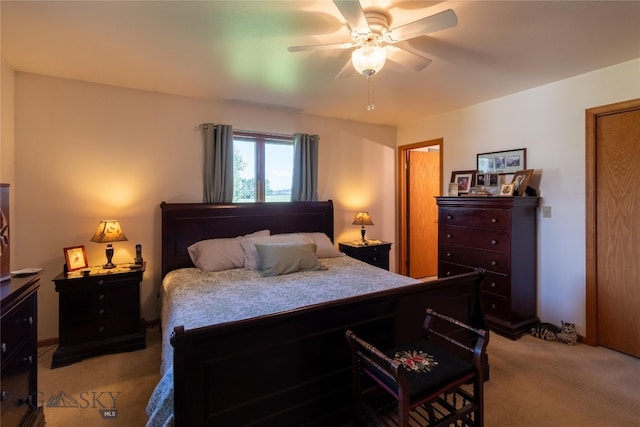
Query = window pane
x=278 y=172
x=244 y=170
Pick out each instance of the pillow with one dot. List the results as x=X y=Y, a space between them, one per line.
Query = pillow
x=326 y=249
x=220 y=254
x=251 y=258
x=280 y=259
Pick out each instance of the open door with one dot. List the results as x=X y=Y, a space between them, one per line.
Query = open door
x=420 y=180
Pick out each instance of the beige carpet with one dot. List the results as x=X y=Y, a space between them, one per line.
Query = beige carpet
x=83 y=394
x=533 y=383
x=545 y=383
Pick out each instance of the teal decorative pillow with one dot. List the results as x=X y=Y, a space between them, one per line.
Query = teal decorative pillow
x=277 y=259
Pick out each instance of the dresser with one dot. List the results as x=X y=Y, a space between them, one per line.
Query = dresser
x=498 y=235
x=98 y=313
x=375 y=252
x=19 y=357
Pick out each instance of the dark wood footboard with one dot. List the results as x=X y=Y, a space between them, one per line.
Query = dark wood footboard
x=294 y=368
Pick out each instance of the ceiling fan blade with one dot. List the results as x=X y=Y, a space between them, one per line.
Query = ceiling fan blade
x=421 y=27
x=354 y=15
x=320 y=47
x=407 y=59
x=347 y=71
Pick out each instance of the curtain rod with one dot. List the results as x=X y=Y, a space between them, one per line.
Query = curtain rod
x=275 y=135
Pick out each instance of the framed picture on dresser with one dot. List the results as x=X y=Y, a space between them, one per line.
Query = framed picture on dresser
x=464 y=179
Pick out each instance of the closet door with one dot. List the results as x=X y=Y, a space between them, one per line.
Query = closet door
x=618 y=230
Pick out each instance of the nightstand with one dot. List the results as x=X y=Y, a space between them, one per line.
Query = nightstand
x=98 y=313
x=374 y=253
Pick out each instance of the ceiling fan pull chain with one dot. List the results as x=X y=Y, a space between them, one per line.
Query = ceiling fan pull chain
x=370 y=105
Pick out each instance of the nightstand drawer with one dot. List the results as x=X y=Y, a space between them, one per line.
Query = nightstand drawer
x=102 y=311
x=96 y=330
x=488 y=219
x=78 y=300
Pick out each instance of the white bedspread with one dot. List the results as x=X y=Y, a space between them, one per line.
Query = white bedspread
x=193 y=298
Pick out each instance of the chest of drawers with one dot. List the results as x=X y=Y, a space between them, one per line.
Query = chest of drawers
x=498 y=235
x=19 y=358
x=97 y=314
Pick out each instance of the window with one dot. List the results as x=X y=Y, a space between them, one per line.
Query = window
x=262 y=167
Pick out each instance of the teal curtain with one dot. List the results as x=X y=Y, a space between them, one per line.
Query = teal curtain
x=305 y=168
x=218 y=163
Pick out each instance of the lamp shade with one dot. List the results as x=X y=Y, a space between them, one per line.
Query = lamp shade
x=363 y=218
x=109 y=230
x=369 y=59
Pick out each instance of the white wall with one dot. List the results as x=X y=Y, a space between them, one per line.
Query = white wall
x=549 y=121
x=85 y=152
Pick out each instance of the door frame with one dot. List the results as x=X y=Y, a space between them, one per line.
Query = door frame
x=591 y=116
x=401 y=247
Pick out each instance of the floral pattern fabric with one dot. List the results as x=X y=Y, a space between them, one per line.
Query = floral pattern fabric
x=417 y=361
x=194 y=298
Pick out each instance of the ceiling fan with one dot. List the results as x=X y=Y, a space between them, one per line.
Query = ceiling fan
x=375 y=43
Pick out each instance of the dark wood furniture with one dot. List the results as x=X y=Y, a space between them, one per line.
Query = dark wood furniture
x=19 y=376
x=432 y=389
x=372 y=253
x=497 y=234
x=290 y=368
x=99 y=313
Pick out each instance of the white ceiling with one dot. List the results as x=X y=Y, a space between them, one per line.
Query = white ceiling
x=237 y=50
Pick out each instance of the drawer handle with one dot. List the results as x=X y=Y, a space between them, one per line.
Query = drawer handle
x=449 y=236
x=101 y=311
x=100 y=282
x=493 y=306
x=493 y=284
x=494 y=263
x=449 y=216
x=3 y=395
x=28 y=320
x=448 y=254
x=27 y=360
x=493 y=220
x=101 y=329
x=4 y=347
x=100 y=297
x=494 y=242
x=448 y=273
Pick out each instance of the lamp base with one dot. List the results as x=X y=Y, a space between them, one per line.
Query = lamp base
x=362 y=233
x=109 y=265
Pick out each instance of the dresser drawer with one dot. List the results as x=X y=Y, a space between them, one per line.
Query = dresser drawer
x=490 y=261
x=15 y=386
x=497 y=284
x=497 y=241
x=488 y=219
x=447 y=269
x=495 y=306
x=16 y=327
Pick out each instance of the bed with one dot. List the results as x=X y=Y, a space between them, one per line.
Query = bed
x=277 y=355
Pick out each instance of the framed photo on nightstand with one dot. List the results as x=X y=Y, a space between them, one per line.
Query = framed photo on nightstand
x=76 y=258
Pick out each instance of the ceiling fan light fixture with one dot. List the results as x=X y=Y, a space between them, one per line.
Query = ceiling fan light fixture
x=369 y=59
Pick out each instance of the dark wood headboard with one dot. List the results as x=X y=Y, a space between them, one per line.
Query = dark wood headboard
x=186 y=223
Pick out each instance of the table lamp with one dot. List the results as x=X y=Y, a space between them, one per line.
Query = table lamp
x=363 y=218
x=108 y=231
